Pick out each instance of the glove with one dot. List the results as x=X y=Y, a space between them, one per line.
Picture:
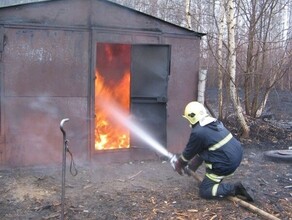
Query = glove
x=195 y=163
x=180 y=165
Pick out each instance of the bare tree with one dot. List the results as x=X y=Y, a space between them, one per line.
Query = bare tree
x=231 y=23
x=188 y=14
x=263 y=20
x=262 y=48
x=220 y=59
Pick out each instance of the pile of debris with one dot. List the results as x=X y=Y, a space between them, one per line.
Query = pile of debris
x=268 y=132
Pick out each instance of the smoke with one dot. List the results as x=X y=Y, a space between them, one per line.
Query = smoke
x=42 y=104
x=32 y=127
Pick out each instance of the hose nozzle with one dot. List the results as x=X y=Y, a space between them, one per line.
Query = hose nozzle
x=173 y=160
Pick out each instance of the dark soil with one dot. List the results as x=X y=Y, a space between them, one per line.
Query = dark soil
x=151 y=189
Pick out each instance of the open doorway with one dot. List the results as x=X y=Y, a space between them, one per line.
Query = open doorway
x=134 y=77
x=112 y=84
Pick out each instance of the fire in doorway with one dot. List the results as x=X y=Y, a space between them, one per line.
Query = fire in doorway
x=134 y=78
x=112 y=84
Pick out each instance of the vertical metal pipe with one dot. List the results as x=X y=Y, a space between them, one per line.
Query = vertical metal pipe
x=63 y=167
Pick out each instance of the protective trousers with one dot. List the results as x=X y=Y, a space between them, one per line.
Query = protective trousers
x=210 y=189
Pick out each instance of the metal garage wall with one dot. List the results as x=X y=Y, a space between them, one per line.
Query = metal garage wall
x=48 y=73
x=45 y=76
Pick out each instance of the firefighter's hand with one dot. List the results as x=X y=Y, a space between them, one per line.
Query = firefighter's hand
x=187 y=171
x=180 y=165
x=194 y=164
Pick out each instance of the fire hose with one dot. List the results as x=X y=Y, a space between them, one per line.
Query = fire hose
x=73 y=169
x=173 y=158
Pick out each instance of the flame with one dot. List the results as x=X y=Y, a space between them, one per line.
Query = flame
x=109 y=134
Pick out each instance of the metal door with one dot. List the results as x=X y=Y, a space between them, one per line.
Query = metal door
x=150 y=67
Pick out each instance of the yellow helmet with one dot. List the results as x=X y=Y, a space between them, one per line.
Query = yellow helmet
x=194 y=112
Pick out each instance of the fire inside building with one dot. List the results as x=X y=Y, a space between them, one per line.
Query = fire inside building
x=73 y=59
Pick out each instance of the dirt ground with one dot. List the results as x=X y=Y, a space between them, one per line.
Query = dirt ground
x=151 y=189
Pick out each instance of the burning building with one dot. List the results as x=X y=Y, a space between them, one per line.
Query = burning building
x=70 y=59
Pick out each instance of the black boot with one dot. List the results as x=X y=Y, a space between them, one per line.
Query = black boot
x=245 y=191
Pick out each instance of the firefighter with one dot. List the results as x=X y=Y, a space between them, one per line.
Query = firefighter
x=210 y=142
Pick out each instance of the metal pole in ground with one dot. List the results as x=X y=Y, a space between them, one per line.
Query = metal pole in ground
x=63 y=166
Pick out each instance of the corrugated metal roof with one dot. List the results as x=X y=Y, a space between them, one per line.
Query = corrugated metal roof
x=11 y=3
x=8 y=3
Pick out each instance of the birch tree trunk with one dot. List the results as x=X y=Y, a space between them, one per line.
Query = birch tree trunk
x=202 y=86
x=188 y=14
x=231 y=22
x=220 y=60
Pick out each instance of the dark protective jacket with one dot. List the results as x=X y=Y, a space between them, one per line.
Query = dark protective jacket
x=221 y=152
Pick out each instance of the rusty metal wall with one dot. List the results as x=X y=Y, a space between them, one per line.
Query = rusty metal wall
x=48 y=74
x=45 y=80
x=182 y=89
